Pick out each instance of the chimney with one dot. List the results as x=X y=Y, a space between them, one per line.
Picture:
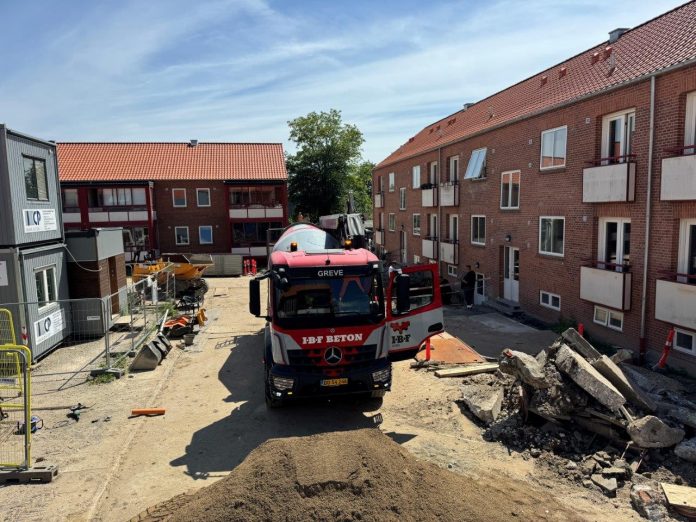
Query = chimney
x=467 y=105
x=193 y=143
x=616 y=33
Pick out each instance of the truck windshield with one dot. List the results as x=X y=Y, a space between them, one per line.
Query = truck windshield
x=346 y=301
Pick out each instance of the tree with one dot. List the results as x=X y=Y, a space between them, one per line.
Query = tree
x=360 y=185
x=328 y=151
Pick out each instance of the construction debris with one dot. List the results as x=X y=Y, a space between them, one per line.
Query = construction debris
x=483 y=401
x=469 y=369
x=686 y=450
x=647 y=502
x=608 y=485
x=651 y=432
x=526 y=367
x=681 y=498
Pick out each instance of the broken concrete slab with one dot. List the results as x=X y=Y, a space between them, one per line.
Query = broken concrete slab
x=683 y=415
x=614 y=375
x=619 y=473
x=483 y=401
x=580 y=344
x=589 y=379
x=647 y=502
x=686 y=450
x=525 y=367
x=651 y=432
x=650 y=381
x=608 y=485
x=559 y=401
x=622 y=355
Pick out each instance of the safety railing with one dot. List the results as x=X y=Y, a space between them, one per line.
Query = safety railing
x=16 y=424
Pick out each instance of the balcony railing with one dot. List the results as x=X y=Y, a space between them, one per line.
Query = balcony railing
x=256 y=211
x=675 y=300
x=606 y=284
x=429 y=195
x=379 y=199
x=679 y=174
x=449 y=194
x=430 y=247
x=611 y=179
x=449 y=251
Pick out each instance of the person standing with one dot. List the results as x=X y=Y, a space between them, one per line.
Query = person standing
x=468 y=286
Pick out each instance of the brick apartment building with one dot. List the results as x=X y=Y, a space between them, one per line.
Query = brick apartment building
x=177 y=197
x=559 y=189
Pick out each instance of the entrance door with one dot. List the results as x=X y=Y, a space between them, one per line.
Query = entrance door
x=511 y=274
x=480 y=294
x=402 y=247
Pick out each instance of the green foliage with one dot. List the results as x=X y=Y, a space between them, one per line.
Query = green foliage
x=359 y=183
x=327 y=153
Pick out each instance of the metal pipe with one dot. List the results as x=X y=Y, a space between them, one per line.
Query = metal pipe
x=439 y=206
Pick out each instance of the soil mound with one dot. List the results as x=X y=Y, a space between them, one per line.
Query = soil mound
x=348 y=476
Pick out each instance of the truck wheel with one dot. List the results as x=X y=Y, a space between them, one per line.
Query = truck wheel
x=378 y=394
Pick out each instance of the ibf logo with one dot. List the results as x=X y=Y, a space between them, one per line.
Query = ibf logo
x=400 y=327
x=399 y=337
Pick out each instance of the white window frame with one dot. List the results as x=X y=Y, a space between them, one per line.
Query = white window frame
x=606 y=322
x=476 y=217
x=402 y=198
x=453 y=235
x=174 y=198
x=509 y=174
x=683 y=252
x=392 y=182
x=626 y=116
x=44 y=271
x=200 y=239
x=416 y=259
x=549 y=296
x=555 y=254
x=690 y=121
x=602 y=240
x=454 y=168
x=392 y=222
x=475 y=169
x=198 y=200
x=433 y=178
x=416 y=177
x=176 y=235
x=380 y=183
x=432 y=226
x=690 y=334
x=553 y=146
x=416 y=229
x=452 y=270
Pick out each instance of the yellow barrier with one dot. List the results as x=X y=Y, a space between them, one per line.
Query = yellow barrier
x=15 y=406
x=7 y=333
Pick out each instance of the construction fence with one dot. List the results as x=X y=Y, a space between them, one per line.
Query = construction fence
x=15 y=407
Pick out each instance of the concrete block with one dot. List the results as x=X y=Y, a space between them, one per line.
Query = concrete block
x=622 y=355
x=589 y=379
x=581 y=345
x=686 y=450
x=651 y=432
x=483 y=401
x=608 y=485
x=614 y=375
x=647 y=502
x=147 y=359
x=525 y=367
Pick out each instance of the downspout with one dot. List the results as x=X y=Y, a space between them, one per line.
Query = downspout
x=648 y=203
x=439 y=206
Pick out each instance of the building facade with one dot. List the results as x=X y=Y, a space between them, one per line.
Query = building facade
x=176 y=197
x=571 y=194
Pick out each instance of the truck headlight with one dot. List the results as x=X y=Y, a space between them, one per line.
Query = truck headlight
x=381 y=375
x=283 y=383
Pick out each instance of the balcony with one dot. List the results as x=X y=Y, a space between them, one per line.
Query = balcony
x=256 y=211
x=429 y=196
x=379 y=200
x=116 y=215
x=430 y=247
x=675 y=303
x=679 y=175
x=449 y=194
x=603 y=285
x=449 y=251
x=379 y=237
x=609 y=181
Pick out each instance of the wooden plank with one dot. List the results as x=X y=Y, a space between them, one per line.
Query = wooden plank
x=680 y=496
x=469 y=369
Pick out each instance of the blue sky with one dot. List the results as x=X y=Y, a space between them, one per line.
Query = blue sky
x=238 y=70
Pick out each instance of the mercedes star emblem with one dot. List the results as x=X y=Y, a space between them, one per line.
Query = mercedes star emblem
x=333 y=355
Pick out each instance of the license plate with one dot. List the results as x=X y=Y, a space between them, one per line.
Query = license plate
x=334 y=382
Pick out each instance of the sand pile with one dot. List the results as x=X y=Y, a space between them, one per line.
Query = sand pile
x=356 y=475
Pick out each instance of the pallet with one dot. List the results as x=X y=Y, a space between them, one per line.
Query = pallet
x=38 y=474
x=470 y=369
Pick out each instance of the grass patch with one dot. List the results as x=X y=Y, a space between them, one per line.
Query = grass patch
x=119 y=361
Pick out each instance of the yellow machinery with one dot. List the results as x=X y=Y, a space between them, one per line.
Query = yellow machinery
x=187 y=268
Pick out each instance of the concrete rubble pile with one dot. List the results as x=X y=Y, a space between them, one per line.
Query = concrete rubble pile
x=570 y=400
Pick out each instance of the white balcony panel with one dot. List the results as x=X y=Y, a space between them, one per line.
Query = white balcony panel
x=244 y=251
x=71 y=217
x=118 y=216
x=275 y=212
x=430 y=248
x=378 y=200
x=238 y=213
x=675 y=303
x=678 y=178
x=379 y=237
x=448 y=253
x=429 y=197
x=606 y=287
x=98 y=217
x=138 y=215
x=608 y=183
x=258 y=251
x=449 y=195
x=257 y=212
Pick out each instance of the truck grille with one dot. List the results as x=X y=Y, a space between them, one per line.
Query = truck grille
x=312 y=360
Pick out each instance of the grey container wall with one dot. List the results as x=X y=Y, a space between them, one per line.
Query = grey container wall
x=15 y=230
x=21 y=288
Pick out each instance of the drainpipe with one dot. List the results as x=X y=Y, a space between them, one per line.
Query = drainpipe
x=439 y=207
x=648 y=201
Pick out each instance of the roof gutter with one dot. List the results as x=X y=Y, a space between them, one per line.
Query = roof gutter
x=611 y=88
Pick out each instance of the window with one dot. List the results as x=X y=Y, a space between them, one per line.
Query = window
x=453 y=169
x=421 y=289
x=478 y=230
x=381 y=221
x=551 y=235
x=402 y=198
x=416 y=259
x=205 y=235
x=265 y=196
x=203 y=197
x=685 y=341
x=614 y=247
x=45 y=286
x=510 y=189
x=433 y=173
x=35 y=180
x=254 y=233
x=116 y=197
x=70 y=199
x=476 y=168
x=550 y=300
x=686 y=264
x=454 y=228
x=609 y=318
x=452 y=270
x=553 y=148
x=135 y=237
x=392 y=182
x=181 y=235
x=392 y=222
x=617 y=136
x=690 y=126
x=433 y=232
x=416 y=224
x=179 y=197
x=380 y=183
x=416 y=177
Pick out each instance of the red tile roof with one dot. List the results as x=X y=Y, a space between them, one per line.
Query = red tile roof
x=665 y=41
x=170 y=161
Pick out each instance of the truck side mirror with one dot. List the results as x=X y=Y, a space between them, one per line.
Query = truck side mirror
x=255 y=297
x=403 y=293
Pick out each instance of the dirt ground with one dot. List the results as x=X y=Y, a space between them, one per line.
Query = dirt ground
x=113 y=467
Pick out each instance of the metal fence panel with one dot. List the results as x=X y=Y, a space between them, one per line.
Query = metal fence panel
x=7 y=331
x=15 y=407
